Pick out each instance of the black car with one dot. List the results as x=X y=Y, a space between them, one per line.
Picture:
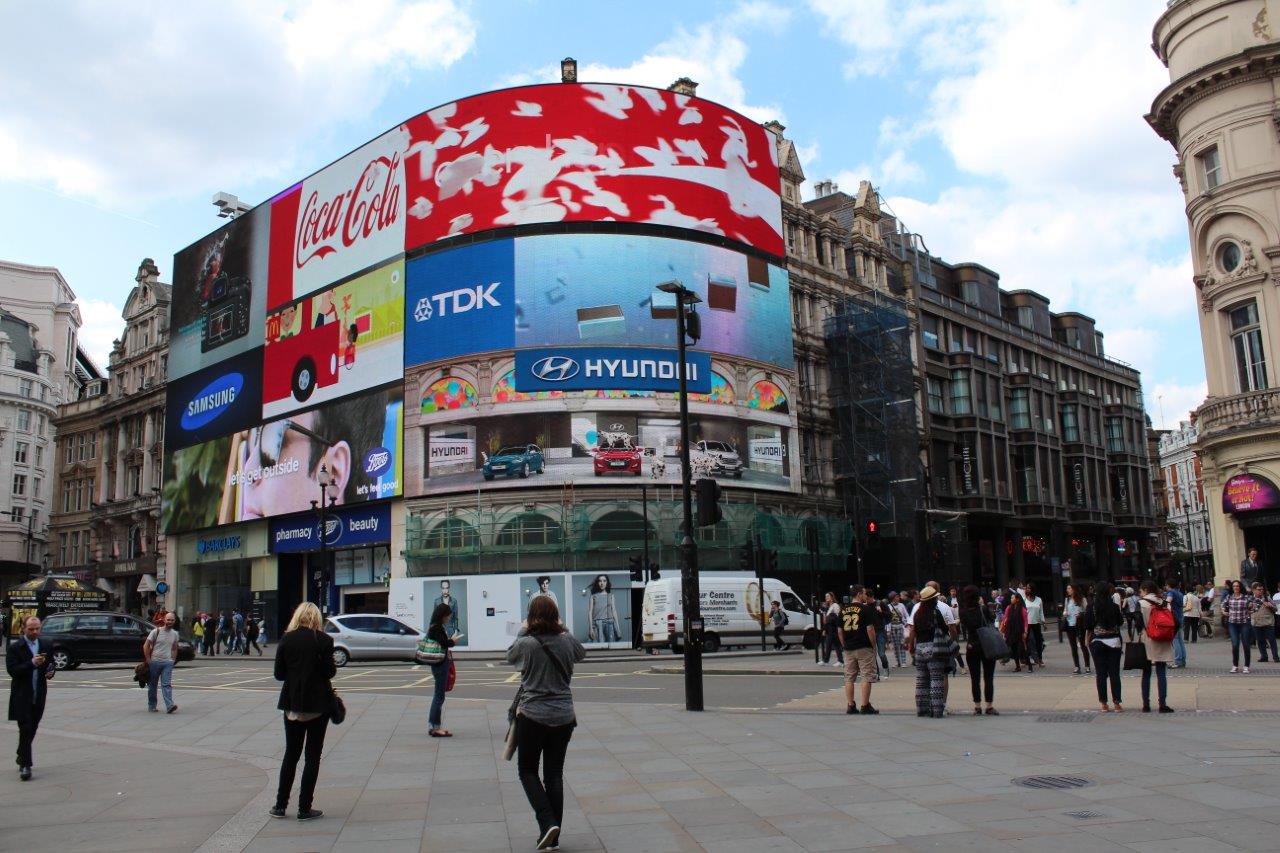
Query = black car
x=100 y=637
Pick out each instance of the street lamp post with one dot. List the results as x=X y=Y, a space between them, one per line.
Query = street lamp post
x=688 y=549
x=327 y=500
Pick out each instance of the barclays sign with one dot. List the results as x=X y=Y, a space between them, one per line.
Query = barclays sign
x=610 y=369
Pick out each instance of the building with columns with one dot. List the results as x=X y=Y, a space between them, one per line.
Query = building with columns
x=1221 y=115
x=106 y=514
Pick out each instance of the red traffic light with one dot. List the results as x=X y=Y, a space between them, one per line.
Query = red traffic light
x=872 y=528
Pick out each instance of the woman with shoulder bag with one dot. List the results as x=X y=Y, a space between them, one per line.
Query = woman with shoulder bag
x=304 y=662
x=830 y=631
x=545 y=654
x=1014 y=626
x=1159 y=652
x=440 y=671
x=974 y=616
x=1103 y=622
x=1237 y=616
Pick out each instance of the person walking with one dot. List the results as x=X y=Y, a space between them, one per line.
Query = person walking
x=197 y=630
x=831 y=630
x=1238 y=608
x=1131 y=612
x=1035 y=625
x=304 y=662
x=251 y=637
x=858 y=626
x=778 y=618
x=929 y=640
x=440 y=671
x=160 y=651
x=1160 y=653
x=1263 y=622
x=1210 y=605
x=1014 y=627
x=1174 y=597
x=1191 y=615
x=895 y=628
x=237 y=629
x=1102 y=624
x=975 y=614
x=545 y=654
x=30 y=667
x=209 y=645
x=1072 y=615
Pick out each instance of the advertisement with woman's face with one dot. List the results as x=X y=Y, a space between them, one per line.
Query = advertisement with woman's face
x=354 y=448
x=602 y=608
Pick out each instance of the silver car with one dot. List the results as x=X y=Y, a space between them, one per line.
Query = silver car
x=366 y=636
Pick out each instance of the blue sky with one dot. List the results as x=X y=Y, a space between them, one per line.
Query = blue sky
x=1006 y=133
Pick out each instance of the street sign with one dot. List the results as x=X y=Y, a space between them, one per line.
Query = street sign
x=162 y=588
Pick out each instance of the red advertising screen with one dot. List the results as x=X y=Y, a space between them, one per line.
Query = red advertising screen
x=563 y=152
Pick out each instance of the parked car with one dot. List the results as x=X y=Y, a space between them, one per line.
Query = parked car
x=100 y=637
x=368 y=636
x=721 y=458
x=514 y=462
x=617 y=456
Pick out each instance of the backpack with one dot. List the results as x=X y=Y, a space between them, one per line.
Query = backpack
x=1161 y=627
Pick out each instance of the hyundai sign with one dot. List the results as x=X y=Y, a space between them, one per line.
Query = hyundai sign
x=344 y=528
x=609 y=368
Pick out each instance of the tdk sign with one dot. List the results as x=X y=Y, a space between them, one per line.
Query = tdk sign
x=609 y=369
x=457 y=302
x=212 y=400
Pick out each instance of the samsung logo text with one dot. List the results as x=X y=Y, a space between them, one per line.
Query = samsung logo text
x=212 y=400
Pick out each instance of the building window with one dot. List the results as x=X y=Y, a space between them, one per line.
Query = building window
x=24 y=420
x=1211 y=166
x=20 y=452
x=39 y=456
x=75 y=547
x=26 y=387
x=929 y=331
x=1229 y=257
x=62 y=549
x=1070 y=423
x=1020 y=409
x=19 y=487
x=994 y=394
x=1115 y=435
x=961 y=403
x=66 y=495
x=1024 y=317
x=1246 y=340
x=936 y=404
x=969 y=292
x=36 y=483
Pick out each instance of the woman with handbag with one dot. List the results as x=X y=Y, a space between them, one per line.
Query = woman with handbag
x=932 y=643
x=544 y=718
x=304 y=662
x=440 y=670
x=974 y=617
x=1103 y=622
x=1015 y=628
x=1072 y=612
x=1159 y=652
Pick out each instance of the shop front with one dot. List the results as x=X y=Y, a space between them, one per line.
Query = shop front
x=348 y=573
x=130 y=583
x=1253 y=502
x=220 y=570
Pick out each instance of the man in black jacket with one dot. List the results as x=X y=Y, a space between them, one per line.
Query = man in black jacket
x=30 y=666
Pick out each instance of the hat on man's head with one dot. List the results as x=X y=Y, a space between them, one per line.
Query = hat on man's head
x=927 y=593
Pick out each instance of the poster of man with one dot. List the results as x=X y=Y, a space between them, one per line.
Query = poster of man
x=452 y=592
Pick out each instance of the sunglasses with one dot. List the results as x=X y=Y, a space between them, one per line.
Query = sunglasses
x=269 y=439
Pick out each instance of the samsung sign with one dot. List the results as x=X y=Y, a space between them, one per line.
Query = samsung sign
x=215 y=401
x=609 y=369
x=345 y=527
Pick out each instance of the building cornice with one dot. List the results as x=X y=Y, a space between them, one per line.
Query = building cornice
x=1253 y=63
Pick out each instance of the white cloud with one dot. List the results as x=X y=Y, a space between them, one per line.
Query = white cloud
x=102 y=324
x=1169 y=403
x=151 y=101
x=712 y=54
x=879 y=31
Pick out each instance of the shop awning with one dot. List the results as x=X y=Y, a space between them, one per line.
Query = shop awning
x=147 y=583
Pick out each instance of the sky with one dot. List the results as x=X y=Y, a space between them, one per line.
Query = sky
x=1010 y=134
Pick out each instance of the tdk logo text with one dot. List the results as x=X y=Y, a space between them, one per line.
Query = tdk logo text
x=456 y=302
x=377 y=461
x=212 y=400
x=555 y=368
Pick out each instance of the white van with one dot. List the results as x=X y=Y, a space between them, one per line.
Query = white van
x=730 y=606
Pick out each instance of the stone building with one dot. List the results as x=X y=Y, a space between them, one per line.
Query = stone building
x=106 y=499
x=1220 y=115
x=1188 y=513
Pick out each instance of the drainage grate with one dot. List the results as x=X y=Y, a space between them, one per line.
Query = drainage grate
x=1066 y=718
x=1052 y=783
x=1083 y=815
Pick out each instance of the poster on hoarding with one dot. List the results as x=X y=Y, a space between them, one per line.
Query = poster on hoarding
x=335 y=342
x=274 y=469
x=602 y=609
x=219 y=294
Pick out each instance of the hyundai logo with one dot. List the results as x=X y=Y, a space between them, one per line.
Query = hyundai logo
x=555 y=368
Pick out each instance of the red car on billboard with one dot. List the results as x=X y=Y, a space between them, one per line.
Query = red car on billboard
x=305 y=347
x=617 y=455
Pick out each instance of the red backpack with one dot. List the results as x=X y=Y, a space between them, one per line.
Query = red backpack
x=1161 y=627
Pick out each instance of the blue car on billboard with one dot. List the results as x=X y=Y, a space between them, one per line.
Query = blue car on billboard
x=514 y=462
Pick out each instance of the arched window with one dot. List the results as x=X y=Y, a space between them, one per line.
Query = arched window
x=448 y=393
x=721 y=392
x=619 y=526
x=504 y=391
x=767 y=397
x=530 y=529
x=134 y=545
x=452 y=534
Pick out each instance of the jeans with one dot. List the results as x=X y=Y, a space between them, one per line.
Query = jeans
x=1190 y=628
x=1266 y=634
x=880 y=642
x=831 y=640
x=296 y=734
x=1179 y=648
x=1106 y=669
x=550 y=743
x=982 y=673
x=161 y=672
x=1241 y=634
x=1162 y=683
x=440 y=672
x=896 y=633
x=1075 y=639
x=607 y=631
x=777 y=637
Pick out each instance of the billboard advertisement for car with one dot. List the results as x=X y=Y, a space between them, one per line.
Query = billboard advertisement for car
x=593 y=290
x=275 y=469
x=219 y=294
x=335 y=342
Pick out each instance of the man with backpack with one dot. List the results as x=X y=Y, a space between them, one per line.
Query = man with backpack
x=778 y=617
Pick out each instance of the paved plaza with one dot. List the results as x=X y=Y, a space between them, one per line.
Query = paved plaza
x=644 y=776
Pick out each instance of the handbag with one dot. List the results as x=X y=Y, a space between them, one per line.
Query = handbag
x=994 y=646
x=142 y=674
x=337 y=708
x=453 y=676
x=1135 y=655
x=429 y=651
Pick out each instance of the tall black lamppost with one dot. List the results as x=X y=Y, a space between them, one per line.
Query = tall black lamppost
x=323 y=575
x=688 y=549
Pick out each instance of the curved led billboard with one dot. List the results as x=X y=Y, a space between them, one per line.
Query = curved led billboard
x=563 y=152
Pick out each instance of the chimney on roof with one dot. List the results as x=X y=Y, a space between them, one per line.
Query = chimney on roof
x=684 y=86
x=824 y=188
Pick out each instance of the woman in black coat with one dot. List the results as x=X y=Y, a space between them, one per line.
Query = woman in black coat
x=440 y=671
x=304 y=662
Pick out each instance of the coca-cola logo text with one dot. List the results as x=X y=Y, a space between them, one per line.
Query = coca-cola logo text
x=371 y=205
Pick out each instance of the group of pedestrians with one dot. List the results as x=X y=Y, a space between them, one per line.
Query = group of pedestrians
x=229 y=631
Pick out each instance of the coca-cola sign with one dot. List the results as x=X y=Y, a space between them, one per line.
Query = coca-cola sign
x=339 y=221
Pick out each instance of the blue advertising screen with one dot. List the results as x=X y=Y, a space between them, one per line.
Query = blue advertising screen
x=610 y=368
x=344 y=528
x=214 y=401
x=460 y=302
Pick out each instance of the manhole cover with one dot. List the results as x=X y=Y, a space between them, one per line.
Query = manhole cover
x=1052 y=783
x=1083 y=815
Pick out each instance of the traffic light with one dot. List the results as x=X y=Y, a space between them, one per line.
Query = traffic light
x=747 y=556
x=771 y=560
x=637 y=568
x=873 y=528
x=654 y=574
x=708 y=502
